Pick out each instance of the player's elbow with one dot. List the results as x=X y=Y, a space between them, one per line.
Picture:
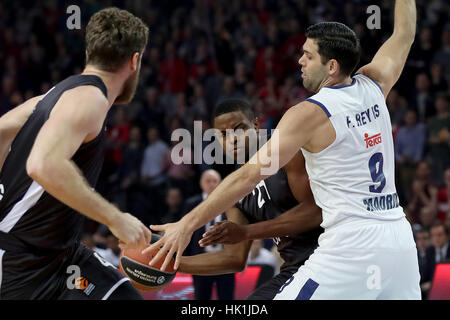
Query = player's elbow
x=34 y=168
x=37 y=168
x=237 y=260
x=5 y=134
x=239 y=266
x=241 y=261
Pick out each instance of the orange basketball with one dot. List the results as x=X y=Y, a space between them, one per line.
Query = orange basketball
x=135 y=266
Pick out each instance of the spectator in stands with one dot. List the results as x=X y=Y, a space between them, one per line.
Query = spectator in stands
x=398 y=106
x=117 y=137
x=436 y=253
x=423 y=193
x=152 y=174
x=423 y=49
x=443 y=197
x=127 y=176
x=198 y=105
x=228 y=90
x=422 y=237
x=172 y=211
x=447 y=220
x=203 y=285
x=438 y=82
x=427 y=216
x=409 y=143
x=179 y=174
x=152 y=110
x=156 y=150
x=442 y=55
x=440 y=138
x=172 y=71
x=422 y=98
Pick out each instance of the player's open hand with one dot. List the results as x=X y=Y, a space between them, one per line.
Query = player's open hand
x=224 y=232
x=174 y=241
x=131 y=232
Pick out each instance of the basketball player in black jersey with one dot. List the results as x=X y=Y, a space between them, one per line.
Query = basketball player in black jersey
x=51 y=153
x=280 y=207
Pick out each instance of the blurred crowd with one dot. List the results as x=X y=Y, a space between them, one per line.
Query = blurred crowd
x=203 y=51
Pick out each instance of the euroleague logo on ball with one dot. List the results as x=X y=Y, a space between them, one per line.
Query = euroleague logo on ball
x=160 y=280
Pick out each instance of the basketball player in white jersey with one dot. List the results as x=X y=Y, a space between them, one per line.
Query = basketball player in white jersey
x=367 y=250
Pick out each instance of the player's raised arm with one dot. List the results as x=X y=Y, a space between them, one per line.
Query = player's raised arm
x=77 y=118
x=297 y=127
x=12 y=122
x=388 y=63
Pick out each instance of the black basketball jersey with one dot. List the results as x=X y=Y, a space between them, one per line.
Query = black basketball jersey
x=31 y=220
x=270 y=198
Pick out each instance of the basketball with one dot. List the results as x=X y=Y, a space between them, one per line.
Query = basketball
x=135 y=266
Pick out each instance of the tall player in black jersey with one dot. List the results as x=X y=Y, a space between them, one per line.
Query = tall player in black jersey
x=51 y=153
x=280 y=207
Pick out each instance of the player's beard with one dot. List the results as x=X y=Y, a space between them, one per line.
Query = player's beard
x=129 y=89
x=313 y=80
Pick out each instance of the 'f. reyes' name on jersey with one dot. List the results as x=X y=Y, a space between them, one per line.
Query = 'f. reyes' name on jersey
x=353 y=178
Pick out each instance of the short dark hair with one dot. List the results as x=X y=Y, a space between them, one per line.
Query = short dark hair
x=336 y=41
x=439 y=224
x=112 y=37
x=232 y=105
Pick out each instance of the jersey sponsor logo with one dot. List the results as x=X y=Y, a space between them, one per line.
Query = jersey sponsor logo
x=382 y=203
x=373 y=140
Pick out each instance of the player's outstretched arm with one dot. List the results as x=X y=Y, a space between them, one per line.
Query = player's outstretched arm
x=12 y=122
x=387 y=65
x=295 y=129
x=303 y=217
x=77 y=118
x=231 y=259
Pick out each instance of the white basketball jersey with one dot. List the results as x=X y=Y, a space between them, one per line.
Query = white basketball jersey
x=353 y=178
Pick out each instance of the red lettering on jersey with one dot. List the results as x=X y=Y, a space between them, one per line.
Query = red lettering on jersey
x=373 y=140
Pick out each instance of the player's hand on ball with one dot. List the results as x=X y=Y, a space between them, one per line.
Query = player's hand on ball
x=131 y=232
x=174 y=241
x=224 y=232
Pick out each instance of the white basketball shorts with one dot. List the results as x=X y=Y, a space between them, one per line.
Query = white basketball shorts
x=359 y=260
